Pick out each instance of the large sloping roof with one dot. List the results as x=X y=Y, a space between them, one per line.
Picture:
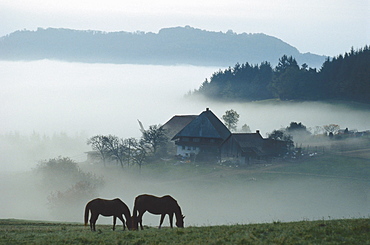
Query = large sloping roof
x=176 y=123
x=248 y=139
x=206 y=125
x=249 y=142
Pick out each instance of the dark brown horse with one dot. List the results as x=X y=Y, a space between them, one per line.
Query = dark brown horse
x=157 y=205
x=104 y=207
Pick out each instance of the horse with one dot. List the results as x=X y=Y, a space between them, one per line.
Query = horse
x=104 y=207
x=157 y=205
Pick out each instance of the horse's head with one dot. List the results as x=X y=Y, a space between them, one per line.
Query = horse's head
x=133 y=224
x=180 y=222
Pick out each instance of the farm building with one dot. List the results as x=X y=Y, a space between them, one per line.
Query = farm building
x=206 y=137
x=202 y=137
x=173 y=126
x=245 y=148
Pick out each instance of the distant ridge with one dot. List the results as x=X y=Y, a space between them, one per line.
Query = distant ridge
x=176 y=45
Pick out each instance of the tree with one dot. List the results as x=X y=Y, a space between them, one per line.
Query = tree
x=246 y=128
x=297 y=128
x=298 y=131
x=69 y=185
x=231 y=119
x=286 y=79
x=154 y=138
x=331 y=129
x=116 y=148
x=99 y=143
x=318 y=130
x=282 y=136
x=285 y=62
x=138 y=152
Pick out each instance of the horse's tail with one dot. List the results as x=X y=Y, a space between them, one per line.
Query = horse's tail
x=87 y=209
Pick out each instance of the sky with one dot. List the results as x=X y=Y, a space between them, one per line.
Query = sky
x=329 y=27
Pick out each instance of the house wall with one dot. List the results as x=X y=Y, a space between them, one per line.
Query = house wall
x=230 y=151
x=187 y=146
x=230 y=148
x=185 y=151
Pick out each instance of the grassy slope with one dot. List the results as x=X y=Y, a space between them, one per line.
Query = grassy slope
x=354 y=231
x=347 y=165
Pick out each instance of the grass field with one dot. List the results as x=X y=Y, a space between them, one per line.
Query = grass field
x=351 y=231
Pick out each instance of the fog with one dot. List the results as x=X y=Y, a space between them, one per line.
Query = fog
x=50 y=108
x=205 y=200
x=50 y=97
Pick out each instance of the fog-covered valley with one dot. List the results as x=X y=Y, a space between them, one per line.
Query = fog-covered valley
x=49 y=109
x=212 y=198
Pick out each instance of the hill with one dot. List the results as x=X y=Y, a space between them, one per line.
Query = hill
x=351 y=231
x=177 y=45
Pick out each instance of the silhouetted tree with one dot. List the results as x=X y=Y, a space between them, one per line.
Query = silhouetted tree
x=282 y=136
x=345 y=77
x=138 y=152
x=116 y=148
x=154 y=138
x=297 y=127
x=99 y=143
x=286 y=78
x=231 y=119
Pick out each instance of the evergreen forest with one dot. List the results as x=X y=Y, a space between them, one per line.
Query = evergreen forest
x=345 y=77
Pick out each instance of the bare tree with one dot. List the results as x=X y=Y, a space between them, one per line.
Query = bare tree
x=116 y=148
x=138 y=152
x=99 y=143
x=331 y=129
x=317 y=130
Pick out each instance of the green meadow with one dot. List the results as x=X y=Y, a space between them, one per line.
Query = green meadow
x=347 y=231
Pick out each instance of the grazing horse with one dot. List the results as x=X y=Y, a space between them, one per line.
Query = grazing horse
x=157 y=205
x=104 y=207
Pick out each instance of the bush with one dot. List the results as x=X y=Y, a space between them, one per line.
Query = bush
x=67 y=184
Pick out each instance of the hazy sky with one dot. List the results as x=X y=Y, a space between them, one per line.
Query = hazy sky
x=329 y=27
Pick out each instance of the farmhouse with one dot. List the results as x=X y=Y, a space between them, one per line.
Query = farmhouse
x=173 y=126
x=202 y=137
x=207 y=138
x=176 y=123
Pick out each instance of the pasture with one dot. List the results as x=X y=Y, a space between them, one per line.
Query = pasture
x=335 y=185
x=348 y=231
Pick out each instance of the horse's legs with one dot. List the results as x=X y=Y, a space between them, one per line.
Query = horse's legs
x=114 y=221
x=162 y=218
x=123 y=221
x=93 y=219
x=140 y=219
x=170 y=216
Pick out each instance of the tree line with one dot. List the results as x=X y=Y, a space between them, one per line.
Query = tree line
x=345 y=77
x=130 y=151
